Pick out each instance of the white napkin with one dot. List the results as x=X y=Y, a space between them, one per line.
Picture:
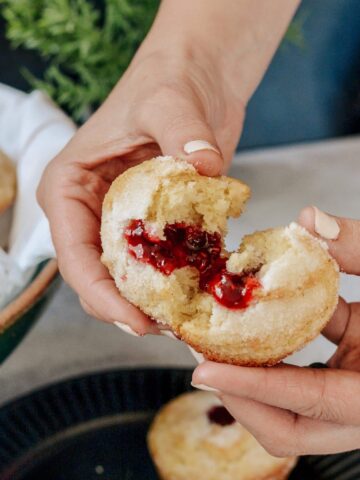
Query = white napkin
x=32 y=131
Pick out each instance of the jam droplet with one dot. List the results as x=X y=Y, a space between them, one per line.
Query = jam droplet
x=189 y=245
x=233 y=291
x=219 y=415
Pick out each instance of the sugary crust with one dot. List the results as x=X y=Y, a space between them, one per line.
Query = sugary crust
x=7 y=182
x=299 y=278
x=298 y=314
x=184 y=445
x=165 y=190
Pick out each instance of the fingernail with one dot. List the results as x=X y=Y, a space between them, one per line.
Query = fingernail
x=326 y=226
x=199 y=357
x=201 y=386
x=168 y=333
x=125 y=328
x=198 y=145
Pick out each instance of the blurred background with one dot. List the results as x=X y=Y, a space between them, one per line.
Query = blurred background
x=77 y=50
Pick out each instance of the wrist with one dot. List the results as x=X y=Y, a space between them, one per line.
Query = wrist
x=237 y=41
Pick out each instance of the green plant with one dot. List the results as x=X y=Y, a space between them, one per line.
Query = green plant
x=87 y=44
x=87 y=47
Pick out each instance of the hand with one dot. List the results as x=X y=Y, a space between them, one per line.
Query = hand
x=184 y=94
x=159 y=106
x=297 y=411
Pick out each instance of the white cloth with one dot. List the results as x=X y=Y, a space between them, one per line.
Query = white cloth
x=32 y=131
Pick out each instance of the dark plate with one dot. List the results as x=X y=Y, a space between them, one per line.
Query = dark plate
x=94 y=427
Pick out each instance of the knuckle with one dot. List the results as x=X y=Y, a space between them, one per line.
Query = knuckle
x=287 y=441
x=175 y=89
x=277 y=449
x=160 y=100
x=85 y=186
x=314 y=406
x=88 y=309
x=322 y=404
x=279 y=444
x=262 y=386
x=53 y=177
x=279 y=452
x=182 y=121
x=314 y=410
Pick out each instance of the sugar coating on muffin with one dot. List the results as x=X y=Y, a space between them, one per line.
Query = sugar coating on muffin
x=7 y=182
x=194 y=437
x=163 y=229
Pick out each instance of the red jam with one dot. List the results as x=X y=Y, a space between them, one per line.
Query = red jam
x=219 y=415
x=188 y=245
x=231 y=290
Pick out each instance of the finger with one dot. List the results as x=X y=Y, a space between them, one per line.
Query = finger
x=342 y=235
x=335 y=329
x=320 y=394
x=102 y=299
x=87 y=309
x=181 y=130
x=284 y=434
x=347 y=355
x=75 y=232
x=271 y=426
x=125 y=327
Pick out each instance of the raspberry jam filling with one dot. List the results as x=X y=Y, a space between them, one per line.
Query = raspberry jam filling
x=188 y=245
x=219 y=415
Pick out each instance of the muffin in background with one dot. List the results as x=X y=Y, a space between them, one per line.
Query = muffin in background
x=193 y=437
x=7 y=182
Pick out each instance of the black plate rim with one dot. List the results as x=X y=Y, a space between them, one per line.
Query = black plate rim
x=131 y=380
x=16 y=401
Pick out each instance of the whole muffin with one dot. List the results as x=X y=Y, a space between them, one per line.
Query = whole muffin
x=7 y=182
x=194 y=438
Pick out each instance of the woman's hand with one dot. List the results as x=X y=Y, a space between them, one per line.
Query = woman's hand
x=160 y=105
x=297 y=411
x=184 y=94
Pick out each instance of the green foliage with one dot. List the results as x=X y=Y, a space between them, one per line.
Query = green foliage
x=88 y=49
x=87 y=44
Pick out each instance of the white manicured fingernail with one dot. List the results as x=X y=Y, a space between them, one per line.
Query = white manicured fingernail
x=326 y=226
x=198 y=145
x=125 y=328
x=199 y=357
x=201 y=386
x=168 y=333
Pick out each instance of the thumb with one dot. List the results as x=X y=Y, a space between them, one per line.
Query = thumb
x=182 y=131
x=342 y=235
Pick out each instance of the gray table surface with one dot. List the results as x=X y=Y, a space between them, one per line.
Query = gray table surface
x=66 y=342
